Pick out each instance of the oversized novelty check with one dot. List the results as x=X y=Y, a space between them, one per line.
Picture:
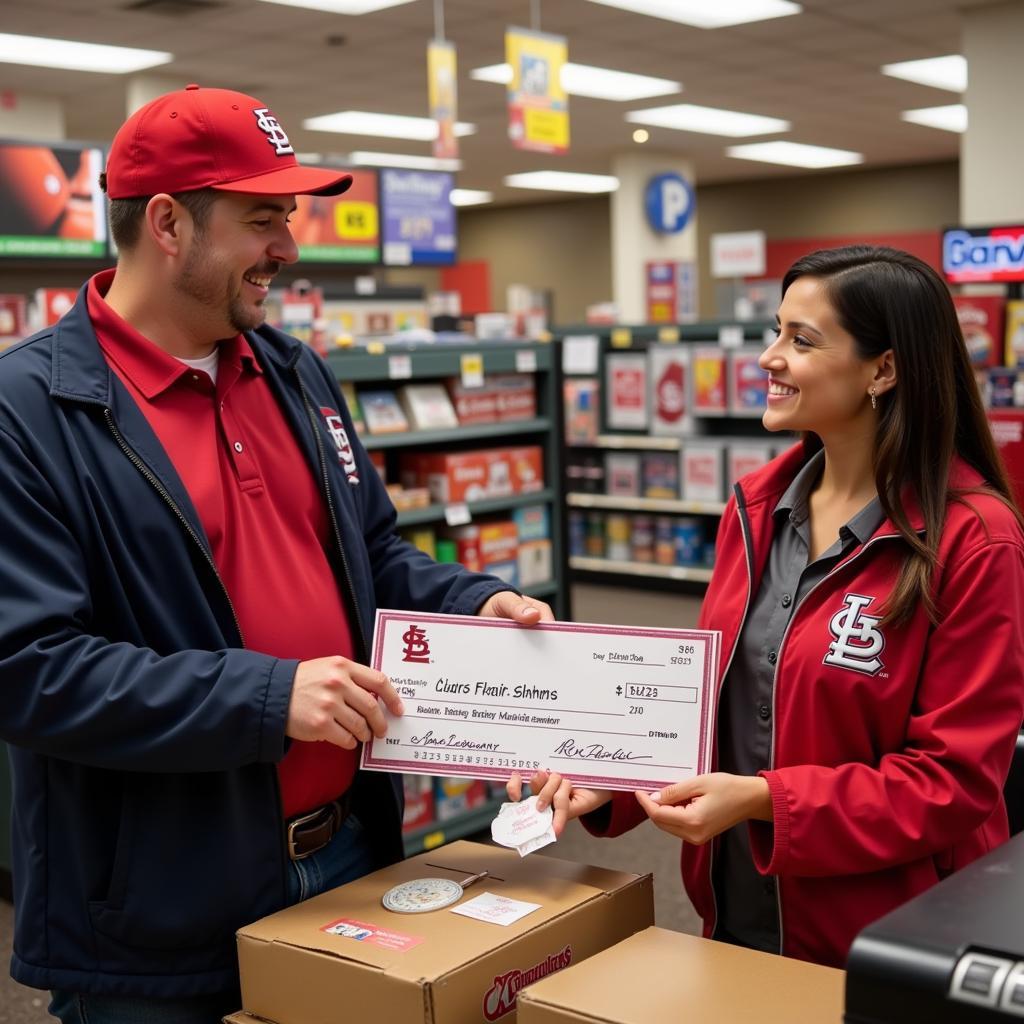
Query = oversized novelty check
x=613 y=707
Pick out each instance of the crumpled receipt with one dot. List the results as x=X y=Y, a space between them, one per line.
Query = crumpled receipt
x=522 y=827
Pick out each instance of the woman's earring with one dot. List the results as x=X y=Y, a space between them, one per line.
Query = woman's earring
x=874 y=400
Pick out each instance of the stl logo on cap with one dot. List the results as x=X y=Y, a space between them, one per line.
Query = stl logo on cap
x=275 y=133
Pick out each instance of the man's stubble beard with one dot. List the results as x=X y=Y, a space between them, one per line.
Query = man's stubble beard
x=198 y=282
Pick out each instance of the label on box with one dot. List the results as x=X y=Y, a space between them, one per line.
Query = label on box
x=526 y=361
x=372 y=935
x=399 y=367
x=495 y=909
x=731 y=335
x=472 y=364
x=579 y=354
x=457 y=515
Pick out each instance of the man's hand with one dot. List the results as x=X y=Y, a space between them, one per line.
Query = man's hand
x=335 y=699
x=527 y=611
x=568 y=801
x=701 y=808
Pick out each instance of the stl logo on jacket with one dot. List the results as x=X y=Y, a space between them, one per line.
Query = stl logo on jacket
x=417 y=646
x=346 y=456
x=858 y=640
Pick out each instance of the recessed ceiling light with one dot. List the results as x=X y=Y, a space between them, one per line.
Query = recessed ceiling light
x=388 y=126
x=595 y=83
x=71 y=56
x=702 y=14
x=641 y=135
x=948 y=72
x=687 y=117
x=563 y=181
x=795 y=154
x=470 y=197
x=362 y=158
x=952 y=118
x=341 y=6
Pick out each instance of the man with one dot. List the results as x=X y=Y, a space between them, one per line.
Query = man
x=193 y=544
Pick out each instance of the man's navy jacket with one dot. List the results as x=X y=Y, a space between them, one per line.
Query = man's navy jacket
x=144 y=737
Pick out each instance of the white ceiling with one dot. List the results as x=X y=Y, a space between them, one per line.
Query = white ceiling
x=818 y=69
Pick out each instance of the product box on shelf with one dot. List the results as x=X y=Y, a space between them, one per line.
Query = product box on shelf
x=533 y=522
x=660 y=474
x=441 y=967
x=51 y=304
x=626 y=391
x=709 y=374
x=459 y=476
x=419 y=802
x=355 y=410
x=685 y=971
x=382 y=413
x=13 y=319
x=422 y=537
x=982 y=323
x=668 y=374
x=622 y=474
x=379 y=461
x=527 y=468
x=473 y=405
x=581 y=410
x=703 y=470
x=515 y=394
x=427 y=407
x=1015 y=333
x=535 y=562
x=499 y=550
x=745 y=456
x=688 y=541
x=748 y=383
x=454 y=796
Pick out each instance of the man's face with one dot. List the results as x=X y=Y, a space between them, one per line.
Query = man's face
x=229 y=264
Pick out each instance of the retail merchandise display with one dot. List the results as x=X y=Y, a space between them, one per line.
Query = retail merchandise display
x=517 y=922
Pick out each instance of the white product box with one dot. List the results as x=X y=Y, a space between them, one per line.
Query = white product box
x=745 y=456
x=622 y=474
x=626 y=391
x=702 y=471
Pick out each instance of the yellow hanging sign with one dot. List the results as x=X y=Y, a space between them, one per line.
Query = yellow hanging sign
x=538 y=106
x=441 y=82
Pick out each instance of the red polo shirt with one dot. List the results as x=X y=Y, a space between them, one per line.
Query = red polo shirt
x=260 y=506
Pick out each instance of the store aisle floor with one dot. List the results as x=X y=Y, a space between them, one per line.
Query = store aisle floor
x=643 y=849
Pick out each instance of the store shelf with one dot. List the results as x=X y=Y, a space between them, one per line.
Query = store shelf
x=481 y=431
x=638 y=442
x=438 y=833
x=436 y=513
x=666 y=572
x=617 y=503
x=548 y=589
x=436 y=359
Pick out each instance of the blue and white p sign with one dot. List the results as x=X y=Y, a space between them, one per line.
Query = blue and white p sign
x=669 y=202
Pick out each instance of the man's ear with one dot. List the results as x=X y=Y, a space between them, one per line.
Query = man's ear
x=165 y=222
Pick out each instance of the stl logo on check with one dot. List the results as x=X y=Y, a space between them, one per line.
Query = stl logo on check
x=417 y=646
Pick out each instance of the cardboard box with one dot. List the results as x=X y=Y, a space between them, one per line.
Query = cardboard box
x=622 y=474
x=660 y=475
x=535 y=562
x=527 y=466
x=436 y=967
x=515 y=394
x=626 y=391
x=460 y=476
x=668 y=374
x=746 y=456
x=473 y=405
x=709 y=381
x=533 y=522
x=427 y=407
x=703 y=471
x=662 y=977
x=982 y=324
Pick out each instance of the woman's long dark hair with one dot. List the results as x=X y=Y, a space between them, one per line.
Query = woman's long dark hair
x=886 y=298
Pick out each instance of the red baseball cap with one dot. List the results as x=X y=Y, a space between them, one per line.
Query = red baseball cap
x=210 y=138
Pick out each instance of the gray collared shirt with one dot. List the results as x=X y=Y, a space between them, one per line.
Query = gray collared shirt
x=747 y=908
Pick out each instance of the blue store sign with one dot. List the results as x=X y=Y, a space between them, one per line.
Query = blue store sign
x=669 y=202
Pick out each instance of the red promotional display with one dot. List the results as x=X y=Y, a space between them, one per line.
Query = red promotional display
x=982 y=322
x=1008 y=431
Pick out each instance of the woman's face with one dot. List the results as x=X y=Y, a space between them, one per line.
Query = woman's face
x=817 y=382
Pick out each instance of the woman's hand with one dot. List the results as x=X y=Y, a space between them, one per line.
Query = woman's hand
x=701 y=808
x=551 y=788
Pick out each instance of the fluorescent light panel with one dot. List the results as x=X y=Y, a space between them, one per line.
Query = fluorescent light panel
x=67 y=55
x=341 y=6
x=596 y=83
x=707 y=13
x=364 y=158
x=795 y=154
x=949 y=72
x=387 y=126
x=470 y=197
x=687 y=117
x=563 y=181
x=952 y=118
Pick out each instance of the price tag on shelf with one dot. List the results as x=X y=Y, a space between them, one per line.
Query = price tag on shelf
x=526 y=361
x=457 y=515
x=472 y=370
x=399 y=367
x=579 y=354
x=366 y=285
x=730 y=335
x=375 y=348
x=668 y=335
x=622 y=337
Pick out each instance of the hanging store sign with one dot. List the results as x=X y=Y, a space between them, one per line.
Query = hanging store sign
x=983 y=254
x=538 y=106
x=441 y=87
x=419 y=218
x=738 y=254
x=669 y=202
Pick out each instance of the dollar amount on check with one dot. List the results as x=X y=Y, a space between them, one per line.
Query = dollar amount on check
x=610 y=706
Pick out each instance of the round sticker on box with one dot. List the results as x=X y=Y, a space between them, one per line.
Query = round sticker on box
x=421 y=895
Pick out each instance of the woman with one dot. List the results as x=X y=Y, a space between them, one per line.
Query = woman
x=869 y=587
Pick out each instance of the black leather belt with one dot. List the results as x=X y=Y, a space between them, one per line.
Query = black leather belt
x=308 y=833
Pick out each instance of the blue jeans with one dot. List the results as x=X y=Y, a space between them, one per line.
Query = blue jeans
x=346 y=858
